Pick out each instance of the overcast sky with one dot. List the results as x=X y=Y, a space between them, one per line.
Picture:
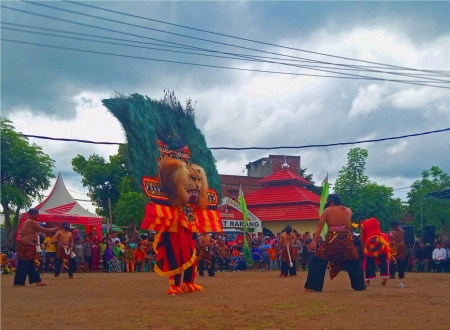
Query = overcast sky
x=58 y=93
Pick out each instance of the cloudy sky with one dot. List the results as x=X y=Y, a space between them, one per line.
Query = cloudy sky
x=58 y=93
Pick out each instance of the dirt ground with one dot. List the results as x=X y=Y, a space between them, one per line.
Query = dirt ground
x=243 y=300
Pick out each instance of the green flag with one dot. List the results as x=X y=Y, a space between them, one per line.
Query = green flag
x=247 y=252
x=323 y=201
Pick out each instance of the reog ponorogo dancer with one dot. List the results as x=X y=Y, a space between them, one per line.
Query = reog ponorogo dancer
x=168 y=154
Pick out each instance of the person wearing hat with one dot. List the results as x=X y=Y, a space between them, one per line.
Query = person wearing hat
x=64 y=248
x=338 y=248
x=28 y=262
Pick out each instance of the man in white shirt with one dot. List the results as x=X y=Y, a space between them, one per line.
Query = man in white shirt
x=114 y=237
x=439 y=256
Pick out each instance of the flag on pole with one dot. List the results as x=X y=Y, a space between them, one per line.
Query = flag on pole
x=247 y=252
x=323 y=201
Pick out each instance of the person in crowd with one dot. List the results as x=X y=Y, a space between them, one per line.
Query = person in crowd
x=438 y=258
x=422 y=256
x=296 y=246
x=87 y=244
x=151 y=257
x=78 y=248
x=265 y=253
x=129 y=259
x=50 y=248
x=50 y=268
x=398 y=250
x=114 y=238
x=306 y=255
x=223 y=255
x=117 y=250
x=114 y=264
x=95 y=253
x=256 y=256
x=242 y=263
x=109 y=238
x=233 y=265
x=103 y=246
x=151 y=237
x=132 y=243
x=27 y=264
x=75 y=234
x=144 y=241
x=140 y=258
x=337 y=248
x=235 y=252
x=272 y=252
x=240 y=241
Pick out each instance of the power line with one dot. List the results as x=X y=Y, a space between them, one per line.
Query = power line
x=234 y=37
x=219 y=56
x=261 y=148
x=215 y=66
x=191 y=37
x=430 y=80
x=197 y=48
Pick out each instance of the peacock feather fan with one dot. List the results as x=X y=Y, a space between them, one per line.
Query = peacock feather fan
x=145 y=120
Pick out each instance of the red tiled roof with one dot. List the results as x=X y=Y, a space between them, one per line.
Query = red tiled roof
x=281 y=194
x=274 y=212
x=284 y=176
x=286 y=213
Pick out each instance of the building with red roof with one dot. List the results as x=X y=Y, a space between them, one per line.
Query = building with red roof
x=281 y=199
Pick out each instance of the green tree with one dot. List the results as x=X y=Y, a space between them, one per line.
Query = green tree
x=351 y=177
x=312 y=187
x=129 y=210
x=364 y=197
x=103 y=178
x=25 y=172
x=435 y=212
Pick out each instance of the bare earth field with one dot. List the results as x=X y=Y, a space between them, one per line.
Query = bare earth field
x=244 y=300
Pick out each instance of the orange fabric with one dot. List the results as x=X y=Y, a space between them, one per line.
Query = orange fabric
x=167 y=218
x=235 y=253
x=140 y=255
x=272 y=253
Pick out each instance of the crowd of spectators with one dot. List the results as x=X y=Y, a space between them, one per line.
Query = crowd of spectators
x=136 y=254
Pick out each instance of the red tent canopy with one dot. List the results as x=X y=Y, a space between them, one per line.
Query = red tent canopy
x=60 y=206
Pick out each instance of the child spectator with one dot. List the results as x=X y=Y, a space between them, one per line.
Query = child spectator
x=87 y=252
x=95 y=252
x=50 y=265
x=235 y=253
x=140 y=256
x=128 y=258
x=233 y=265
x=103 y=246
x=265 y=253
x=117 y=250
x=256 y=256
x=273 y=255
x=78 y=248
x=242 y=263
x=132 y=243
x=150 y=256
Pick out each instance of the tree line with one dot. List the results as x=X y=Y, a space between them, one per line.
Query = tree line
x=26 y=171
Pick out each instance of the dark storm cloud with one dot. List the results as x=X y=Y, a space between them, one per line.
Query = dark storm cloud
x=44 y=80
x=238 y=109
